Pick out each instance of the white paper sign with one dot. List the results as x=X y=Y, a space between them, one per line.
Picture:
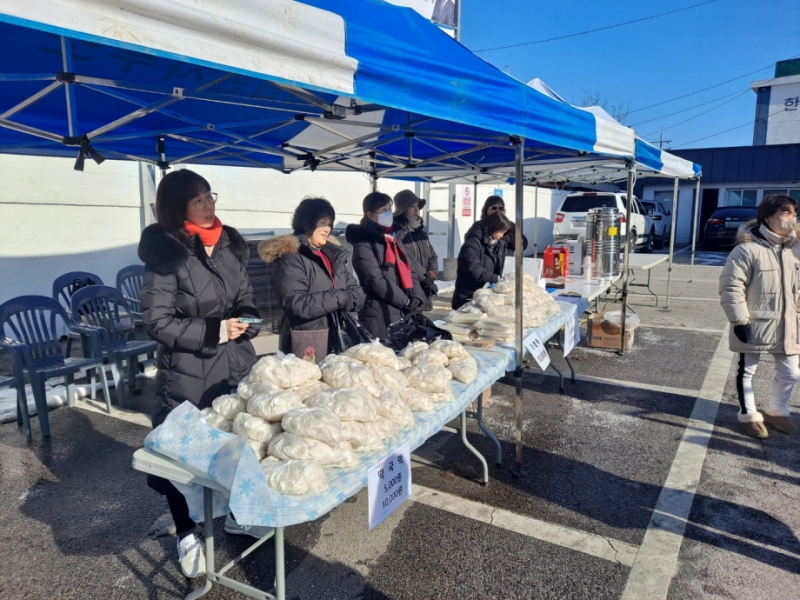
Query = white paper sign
x=389 y=484
x=569 y=335
x=536 y=347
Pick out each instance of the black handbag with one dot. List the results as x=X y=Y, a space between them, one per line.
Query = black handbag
x=413 y=328
x=345 y=332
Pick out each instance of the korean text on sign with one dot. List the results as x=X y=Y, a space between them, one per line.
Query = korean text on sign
x=389 y=484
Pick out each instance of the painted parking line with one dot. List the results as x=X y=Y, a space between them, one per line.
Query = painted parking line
x=580 y=541
x=655 y=562
x=666 y=389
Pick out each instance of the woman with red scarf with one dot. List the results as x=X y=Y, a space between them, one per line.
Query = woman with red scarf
x=195 y=290
x=389 y=277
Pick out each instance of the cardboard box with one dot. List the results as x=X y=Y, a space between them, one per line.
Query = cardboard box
x=575 y=257
x=605 y=334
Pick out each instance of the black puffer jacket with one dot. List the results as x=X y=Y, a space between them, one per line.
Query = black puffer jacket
x=304 y=288
x=479 y=262
x=385 y=299
x=418 y=246
x=509 y=239
x=185 y=297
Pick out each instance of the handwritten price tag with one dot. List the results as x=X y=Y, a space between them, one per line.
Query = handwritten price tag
x=536 y=347
x=389 y=484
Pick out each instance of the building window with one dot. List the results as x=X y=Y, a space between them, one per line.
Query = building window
x=794 y=193
x=742 y=197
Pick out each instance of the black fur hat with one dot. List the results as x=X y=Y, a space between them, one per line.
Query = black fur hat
x=309 y=212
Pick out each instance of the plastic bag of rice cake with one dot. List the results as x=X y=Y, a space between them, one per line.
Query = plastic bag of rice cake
x=288 y=446
x=318 y=423
x=403 y=363
x=391 y=406
x=295 y=477
x=284 y=371
x=443 y=397
x=228 y=406
x=413 y=349
x=449 y=348
x=363 y=437
x=217 y=421
x=416 y=400
x=350 y=375
x=272 y=407
x=464 y=369
x=254 y=428
x=349 y=404
x=310 y=388
x=334 y=358
x=433 y=357
x=247 y=389
x=346 y=456
x=386 y=428
x=391 y=378
x=428 y=378
x=260 y=448
x=374 y=353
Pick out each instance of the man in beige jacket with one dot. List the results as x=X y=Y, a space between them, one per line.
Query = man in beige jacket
x=759 y=291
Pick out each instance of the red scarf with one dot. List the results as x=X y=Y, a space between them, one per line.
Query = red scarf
x=395 y=256
x=209 y=236
x=327 y=262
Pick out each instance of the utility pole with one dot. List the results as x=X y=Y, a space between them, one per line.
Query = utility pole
x=661 y=140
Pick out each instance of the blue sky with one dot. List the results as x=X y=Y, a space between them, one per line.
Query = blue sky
x=645 y=63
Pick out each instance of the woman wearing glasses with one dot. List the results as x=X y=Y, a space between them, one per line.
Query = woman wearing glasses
x=389 y=278
x=496 y=204
x=195 y=289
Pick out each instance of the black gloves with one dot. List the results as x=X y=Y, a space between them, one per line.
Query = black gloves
x=428 y=280
x=743 y=333
x=430 y=290
x=351 y=303
x=413 y=306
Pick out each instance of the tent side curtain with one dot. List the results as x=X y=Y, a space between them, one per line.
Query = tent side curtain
x=240 y=57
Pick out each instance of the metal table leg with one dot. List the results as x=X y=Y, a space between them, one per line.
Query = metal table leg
x=489 y=434
x=560 y=376
x=208 y=530
x=472 y=448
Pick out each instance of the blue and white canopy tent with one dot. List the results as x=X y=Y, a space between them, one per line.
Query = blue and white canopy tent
x=279 y=84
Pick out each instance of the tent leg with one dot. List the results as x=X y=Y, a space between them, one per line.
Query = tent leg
x=628 y=241
x=520 y=154
x=694 y=226
x=672 y=239
x=536 y=220
x=475 y=200
x=451 y=221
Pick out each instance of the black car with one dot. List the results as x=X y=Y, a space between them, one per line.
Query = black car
x=722 y=227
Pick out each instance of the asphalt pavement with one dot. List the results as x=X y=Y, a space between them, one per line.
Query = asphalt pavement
x=636 y=483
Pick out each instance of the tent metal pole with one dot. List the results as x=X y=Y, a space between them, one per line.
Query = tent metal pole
x=536 y=220
x=374 y=183
x=66 y=61
x=451 y=220
x=475 y=200
x=675 y=193
x=628 y=241
x=519 y=189
x=694 y=226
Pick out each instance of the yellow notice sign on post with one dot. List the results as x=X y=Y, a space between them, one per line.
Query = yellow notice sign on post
x=613 y=230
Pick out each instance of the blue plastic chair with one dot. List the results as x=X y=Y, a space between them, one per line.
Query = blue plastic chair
x=104 y=309
x=129 y=283
x=34 y=321
x=63 y=287
x=17 y=382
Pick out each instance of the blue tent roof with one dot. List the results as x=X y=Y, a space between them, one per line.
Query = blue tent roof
x=279 y=84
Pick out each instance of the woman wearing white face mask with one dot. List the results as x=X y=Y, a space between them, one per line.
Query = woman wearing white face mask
x=760 y=291
x=390 y=280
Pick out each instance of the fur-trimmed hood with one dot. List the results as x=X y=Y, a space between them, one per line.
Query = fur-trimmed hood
x=165 y=254
x=749 y=232
x=272 y=249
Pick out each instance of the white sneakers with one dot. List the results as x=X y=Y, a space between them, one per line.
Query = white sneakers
x=191 y=556
x=233 y=528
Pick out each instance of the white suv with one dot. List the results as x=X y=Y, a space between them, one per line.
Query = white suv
x=570 y=220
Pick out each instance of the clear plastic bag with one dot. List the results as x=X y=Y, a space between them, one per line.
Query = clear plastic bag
x=414 y=348
x=403 y=363
x=464 y=369
x=228 y=406
x=443 y=397
x=632 y=321
x=288 y=446
x=391 y=378
x=318 y=423
x=386 y=427
x=346 y=456
x=449 y=348
x=295 y=477
x=391 y=406
x=247 y=389
x=260 y=448
x=433 y=357
x=428 y=378
x=417 y=401
x=363 y=437
x=374 y=353
x=272 y=407
x=349 y=404
x=284 y=371
x=217 y=421
x=310 y=388
x=255 y=428
x=350 y=375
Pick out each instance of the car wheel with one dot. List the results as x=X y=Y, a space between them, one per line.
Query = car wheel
x=650 y=242
x=631 y=241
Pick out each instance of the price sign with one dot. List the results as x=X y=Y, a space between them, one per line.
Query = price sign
x=389 y=484
x=569 y=340
x=536 y=347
